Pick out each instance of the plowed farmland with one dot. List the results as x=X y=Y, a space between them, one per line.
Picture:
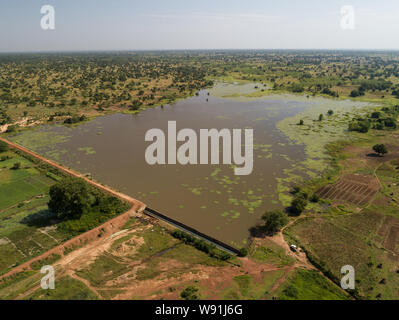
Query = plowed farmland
x=353 y=188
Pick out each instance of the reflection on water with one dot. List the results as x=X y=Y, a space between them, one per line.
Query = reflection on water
x=209 y=198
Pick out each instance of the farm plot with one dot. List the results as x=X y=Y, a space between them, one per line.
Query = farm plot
x=23 y=204
x=354 y=188
x=389 y=232
x=17 y=185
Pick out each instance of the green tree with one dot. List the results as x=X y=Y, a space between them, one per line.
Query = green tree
x=381 y=149
x=330 y=112
x=390 y=123
x=274 y=221
x=298 y=205
x=376 y=115
x=321 y=117
x=70 y=198
x=360 y=125
x=16 y=166
x=243 y=252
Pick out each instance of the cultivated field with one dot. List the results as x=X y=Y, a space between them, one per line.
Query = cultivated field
x=355 y=188
x=366 y=237
x=23 y=203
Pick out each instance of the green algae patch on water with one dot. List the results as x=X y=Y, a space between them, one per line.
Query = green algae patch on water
x=36 y=140
x=305 y=129
x=55 y=154
x=87 y=150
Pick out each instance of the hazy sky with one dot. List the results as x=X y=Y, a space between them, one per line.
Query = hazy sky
x=200 y=24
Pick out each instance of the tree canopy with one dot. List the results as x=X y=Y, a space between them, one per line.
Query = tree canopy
x=70 y=198
x=381 y=149
x=274 y=221
x=299 y=204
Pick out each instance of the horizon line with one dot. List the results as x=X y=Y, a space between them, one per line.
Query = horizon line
x=204 y=49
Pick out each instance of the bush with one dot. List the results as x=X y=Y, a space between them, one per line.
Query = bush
x=291 y=292
x=296 y=190
x=11 y=129
x=75 y=119
x=315 y=198
x=298 y=88
x=360 y=125
x=376 y=115
x=357 y=93
x=303 y=194
x=379 y=126
x=390 y=123
x=243 y=252
x=16 y=166
x=4 y=147
x=190 y=293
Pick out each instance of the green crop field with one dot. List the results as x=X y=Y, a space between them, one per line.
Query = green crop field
x=23 y=198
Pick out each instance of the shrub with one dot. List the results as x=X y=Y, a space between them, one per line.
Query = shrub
x=376 y=115
x=390 y=123
x=243 y=252
x=381 y=149
x=379 y=126
x=16 y=166
x=315 y=198
x=297 y=88
x=291 y=292
x=190 y=293
x=296 y=190
x=360 y=125
x=3 y=147
x=11 y=129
